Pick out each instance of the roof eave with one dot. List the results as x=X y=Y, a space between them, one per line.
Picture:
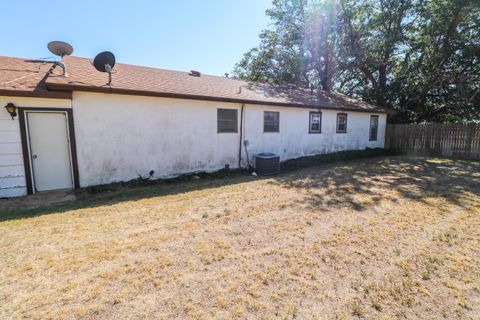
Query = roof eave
x=69 y=87
x=37 y=94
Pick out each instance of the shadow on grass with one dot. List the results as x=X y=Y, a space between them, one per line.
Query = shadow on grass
x=130 y=191
x=414 y=178
x=140 y=189
x=341 y=183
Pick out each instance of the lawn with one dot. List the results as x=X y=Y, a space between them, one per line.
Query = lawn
x=383 y=238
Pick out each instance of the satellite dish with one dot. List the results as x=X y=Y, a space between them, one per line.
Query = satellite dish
x=60 y=48
x=104 y=62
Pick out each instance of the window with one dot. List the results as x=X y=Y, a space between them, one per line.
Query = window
x=227 y=120
x=315 y=122
x=341 y=123
x=271 y=121
x=373 y=128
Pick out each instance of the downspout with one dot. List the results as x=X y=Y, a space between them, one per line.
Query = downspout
x=241 y=136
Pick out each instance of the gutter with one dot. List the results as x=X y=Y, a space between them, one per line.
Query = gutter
x=37 y=94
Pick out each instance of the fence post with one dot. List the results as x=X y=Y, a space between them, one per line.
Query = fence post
x=469 y=139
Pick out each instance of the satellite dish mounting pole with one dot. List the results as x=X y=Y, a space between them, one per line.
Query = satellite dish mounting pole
x=63 y=66
x=108 y=68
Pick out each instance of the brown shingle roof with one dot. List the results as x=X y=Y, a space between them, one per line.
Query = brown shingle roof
x=23 y=77
x=137 y=80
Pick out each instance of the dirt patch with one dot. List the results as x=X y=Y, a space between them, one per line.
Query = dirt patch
x=37 y=200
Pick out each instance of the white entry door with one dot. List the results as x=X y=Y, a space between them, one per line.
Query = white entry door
x=49 y=150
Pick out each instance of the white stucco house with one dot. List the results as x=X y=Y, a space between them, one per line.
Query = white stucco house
x=75 y=131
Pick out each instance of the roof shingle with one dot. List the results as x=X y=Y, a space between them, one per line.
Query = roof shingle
x=22 y=75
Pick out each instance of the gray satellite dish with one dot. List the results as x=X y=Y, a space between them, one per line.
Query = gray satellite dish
x=104 y=62
x=61 y=49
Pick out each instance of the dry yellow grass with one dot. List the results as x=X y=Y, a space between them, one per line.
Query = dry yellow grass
x=379 y=239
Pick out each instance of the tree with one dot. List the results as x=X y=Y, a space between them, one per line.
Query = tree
x=302 y=48
x=374 y=39
x=419 y=57
x=439 y=76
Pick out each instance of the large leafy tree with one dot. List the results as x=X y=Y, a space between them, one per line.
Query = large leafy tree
x=439 y=76
x=420 y=57
x=301 y=49
x=374 y=39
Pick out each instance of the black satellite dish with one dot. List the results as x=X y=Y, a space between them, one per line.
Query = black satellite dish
x=104 y=62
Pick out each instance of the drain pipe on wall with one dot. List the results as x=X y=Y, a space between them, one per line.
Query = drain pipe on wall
x=241 y=137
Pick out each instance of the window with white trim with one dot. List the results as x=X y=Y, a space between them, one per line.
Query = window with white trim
x=227 y=120
x=373 y=128
x=341 y=123
x=315 y=124
x=271 y=121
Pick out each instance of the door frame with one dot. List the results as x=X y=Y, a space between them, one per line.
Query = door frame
x=22 y=117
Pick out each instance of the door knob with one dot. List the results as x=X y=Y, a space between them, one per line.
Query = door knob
x=34 y=156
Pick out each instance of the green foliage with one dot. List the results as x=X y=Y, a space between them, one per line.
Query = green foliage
x=311 y=161
x=375 y=35
x=438 y=78
x=302 y=48
x=419 y=57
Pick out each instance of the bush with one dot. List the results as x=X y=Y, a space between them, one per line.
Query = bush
x=333 y=157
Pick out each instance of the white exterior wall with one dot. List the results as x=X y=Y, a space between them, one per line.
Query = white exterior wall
x=121 y=137
x=12 y=172
x=294 y=140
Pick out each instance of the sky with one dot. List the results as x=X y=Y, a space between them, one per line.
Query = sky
x=205 y=35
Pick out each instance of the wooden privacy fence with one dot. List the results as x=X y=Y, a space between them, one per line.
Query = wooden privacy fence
x=448 y=140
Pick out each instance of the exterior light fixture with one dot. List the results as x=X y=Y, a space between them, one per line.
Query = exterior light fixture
x=11 y=109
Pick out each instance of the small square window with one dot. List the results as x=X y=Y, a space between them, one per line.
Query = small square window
x=227 y=120
x=373 y=128
x=271 y=121
x=315 y=125
x=341 y=123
